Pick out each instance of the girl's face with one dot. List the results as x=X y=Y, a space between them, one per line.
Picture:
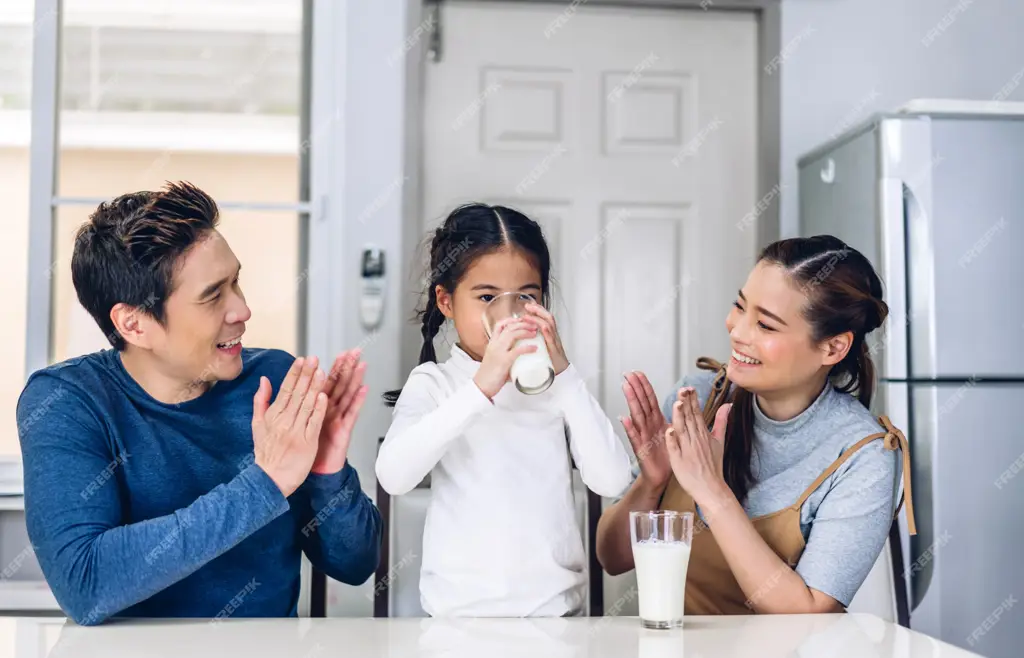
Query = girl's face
x=767 y=325
x=506 y=270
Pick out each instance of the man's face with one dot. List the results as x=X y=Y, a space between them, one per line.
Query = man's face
x=204 y=317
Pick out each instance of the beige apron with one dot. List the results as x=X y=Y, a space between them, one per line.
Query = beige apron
x=711 y=588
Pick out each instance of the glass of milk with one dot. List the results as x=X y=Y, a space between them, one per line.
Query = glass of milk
x=532 y=373
x=661 y=553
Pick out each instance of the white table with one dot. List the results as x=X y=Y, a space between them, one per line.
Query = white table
x=790 y=636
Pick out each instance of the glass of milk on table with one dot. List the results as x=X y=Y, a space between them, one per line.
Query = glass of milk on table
x=661 y=552
x=532 y=373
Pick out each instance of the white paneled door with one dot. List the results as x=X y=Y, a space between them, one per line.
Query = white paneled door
x=630 y=135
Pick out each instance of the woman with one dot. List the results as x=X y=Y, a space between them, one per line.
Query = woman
x=793 y=488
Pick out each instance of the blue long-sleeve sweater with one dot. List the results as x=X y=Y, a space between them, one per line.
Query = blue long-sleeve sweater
x=139 y=508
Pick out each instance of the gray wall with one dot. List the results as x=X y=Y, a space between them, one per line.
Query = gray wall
x=844 y=59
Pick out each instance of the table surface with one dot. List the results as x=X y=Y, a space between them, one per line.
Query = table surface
x=776 y=636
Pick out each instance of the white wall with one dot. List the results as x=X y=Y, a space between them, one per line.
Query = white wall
x=845 y=59
x=379 y=185
x=378 y=180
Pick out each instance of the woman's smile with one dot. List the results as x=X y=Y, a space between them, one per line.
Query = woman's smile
x=741 y=360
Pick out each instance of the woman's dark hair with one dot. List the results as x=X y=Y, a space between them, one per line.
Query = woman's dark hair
x=843 y=294
x=128 y=251
x=469 y=232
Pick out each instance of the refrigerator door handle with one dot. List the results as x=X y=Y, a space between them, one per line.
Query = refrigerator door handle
x=893 y=342
x=923 y=454
x=921 y=323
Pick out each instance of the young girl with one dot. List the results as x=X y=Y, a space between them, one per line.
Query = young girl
x=501 y=537
x=793 y=484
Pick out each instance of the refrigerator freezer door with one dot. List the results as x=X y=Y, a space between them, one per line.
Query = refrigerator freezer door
x=965 y=242
x=837 y=193
x=967 y=449
x=842 y=194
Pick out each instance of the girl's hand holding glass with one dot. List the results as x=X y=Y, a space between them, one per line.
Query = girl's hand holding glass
x=501 y=353
x=544 y=321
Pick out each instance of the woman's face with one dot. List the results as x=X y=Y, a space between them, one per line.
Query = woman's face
x=772 y=348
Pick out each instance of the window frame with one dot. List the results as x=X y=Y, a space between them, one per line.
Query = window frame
x=320 y=136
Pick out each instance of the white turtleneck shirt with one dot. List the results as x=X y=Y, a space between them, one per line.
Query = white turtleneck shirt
x=501 y=537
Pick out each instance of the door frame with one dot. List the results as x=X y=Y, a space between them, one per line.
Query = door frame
x=767 y=13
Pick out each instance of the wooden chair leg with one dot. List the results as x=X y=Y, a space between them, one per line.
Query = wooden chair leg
x=381 y=581
x=318 y=594
x=898 y=575
x=596 y=572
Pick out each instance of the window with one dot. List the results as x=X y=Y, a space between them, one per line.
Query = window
x=15 y=97
x=209 y=92
x=215 y=92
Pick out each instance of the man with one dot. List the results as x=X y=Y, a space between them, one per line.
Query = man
x=160 y=480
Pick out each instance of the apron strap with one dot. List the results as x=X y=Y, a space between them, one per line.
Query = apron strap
x=893 y=439
x=834 y=466
x=720 y=388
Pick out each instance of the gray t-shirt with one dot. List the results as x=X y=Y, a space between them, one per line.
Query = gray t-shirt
x=845 y=522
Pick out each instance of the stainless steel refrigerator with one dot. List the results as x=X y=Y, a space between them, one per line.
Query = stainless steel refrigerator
x=933 y=195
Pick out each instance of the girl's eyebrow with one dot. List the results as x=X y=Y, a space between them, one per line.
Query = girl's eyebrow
x=487 y=286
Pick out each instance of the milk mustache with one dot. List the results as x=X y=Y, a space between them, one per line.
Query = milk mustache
x=661 y=579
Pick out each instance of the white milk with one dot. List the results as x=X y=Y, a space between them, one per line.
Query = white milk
x=661 y=579
x=532 y=371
